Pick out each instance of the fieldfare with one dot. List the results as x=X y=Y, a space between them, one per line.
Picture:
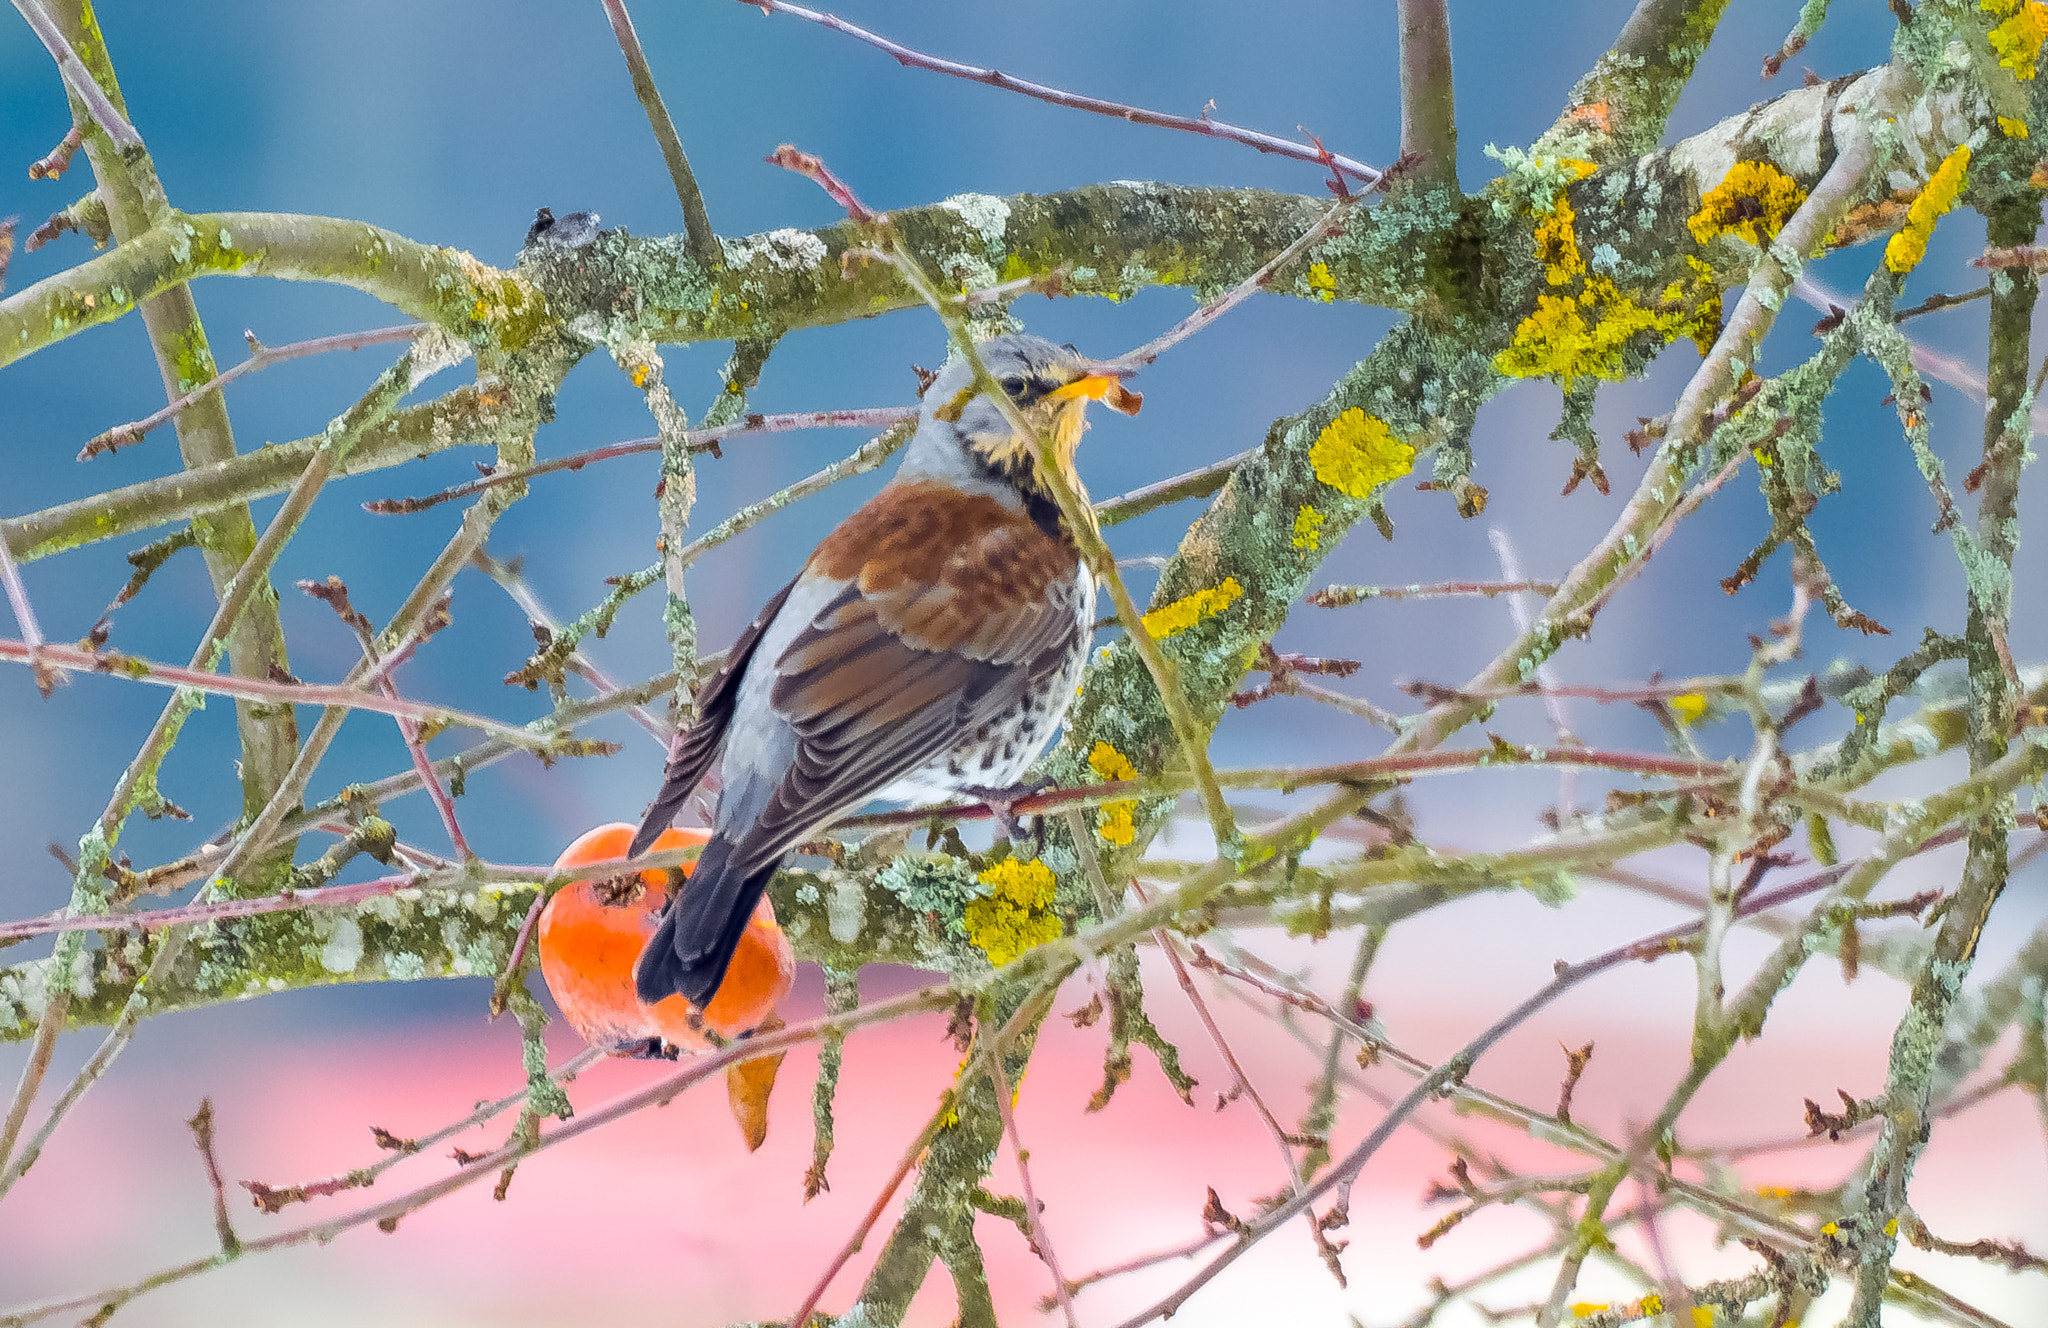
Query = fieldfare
x=930 y=646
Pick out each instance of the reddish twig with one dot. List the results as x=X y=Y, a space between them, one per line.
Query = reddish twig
x=1350 y=772
x=1656 y=691
x=71 y=659
x=487 y=1166
x=79 y=79
x=343 y=896
x=201 y=1126
x=995 y=78
x=25 y=618
x=1041 y=1243
x=335 y=594
x=700 y=440
x=261 y=357
x=1238 y=294
x=791 y=158
x=59 y=160
x=873 y=1215
x=1574 y=1067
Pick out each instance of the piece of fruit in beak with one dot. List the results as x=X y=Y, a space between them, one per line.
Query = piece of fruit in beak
x=1104 y=385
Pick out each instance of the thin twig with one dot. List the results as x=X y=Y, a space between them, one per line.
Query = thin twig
x=1034 y=1216
x=201 y=1126
x=80 y=80
x=904 y=1165
x=700 y=241
x=71 y=659
x=700 y=440
x=904 y=55
x=1198 y=483
x=487 y=1166
x=1337 y=597
x=25 y=619
x=508 y=578
x=1327 y=224
x=870 y=455
x=262 y=357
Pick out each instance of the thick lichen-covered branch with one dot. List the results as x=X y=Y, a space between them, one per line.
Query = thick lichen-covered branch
x=1995 y=698
x=226 y=535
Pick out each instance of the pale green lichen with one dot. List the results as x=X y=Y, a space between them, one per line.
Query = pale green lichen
x=936 y=886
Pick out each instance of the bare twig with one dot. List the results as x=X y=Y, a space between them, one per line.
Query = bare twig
x=702 y=241
x=700 y=440
x=261 y=357
x=1212 y=128
x=1337 y=597
x=1328 y=224
x=201 y=1126
x=488 y=1165
x=79 y=79
x=1199 y=483
x=58 y=161
x=1034 y=1214
x=25 y=619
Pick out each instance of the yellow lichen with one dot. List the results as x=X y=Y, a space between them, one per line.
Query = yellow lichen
x=1308 y=528
x=1752 y=203
x=1690 y=707
x=1356 y=453
x=1557 y=246
x=1903 y=252
x=1703 y=1316
x=2018 y=36
x=1017 y=913
x=1570 y=337
x=1188 y=610
x=1321 y=282
x=1116 y=822
x=2012 y=128
x=640 y=375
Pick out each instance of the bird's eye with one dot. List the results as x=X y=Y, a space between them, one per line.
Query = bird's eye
x=1014 y=386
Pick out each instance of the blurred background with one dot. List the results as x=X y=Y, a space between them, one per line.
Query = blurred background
x=450 y=123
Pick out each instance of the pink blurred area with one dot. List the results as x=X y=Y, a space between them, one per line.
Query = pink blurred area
x=665 y=1218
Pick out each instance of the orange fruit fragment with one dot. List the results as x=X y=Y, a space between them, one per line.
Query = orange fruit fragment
x=591 y=935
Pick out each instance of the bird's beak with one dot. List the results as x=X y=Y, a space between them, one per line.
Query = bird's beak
x=1104 y=383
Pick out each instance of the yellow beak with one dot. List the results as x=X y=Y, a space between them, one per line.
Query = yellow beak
x=1106 y=387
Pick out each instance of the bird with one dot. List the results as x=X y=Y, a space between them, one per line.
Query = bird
x=930 y=646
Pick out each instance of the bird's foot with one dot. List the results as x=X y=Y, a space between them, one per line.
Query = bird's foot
x=645 y=1049
x=1002 y=801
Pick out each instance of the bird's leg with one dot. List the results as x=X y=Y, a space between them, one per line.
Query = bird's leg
x=1000 y=801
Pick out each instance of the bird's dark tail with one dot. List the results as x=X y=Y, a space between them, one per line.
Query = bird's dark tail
x=690 y=950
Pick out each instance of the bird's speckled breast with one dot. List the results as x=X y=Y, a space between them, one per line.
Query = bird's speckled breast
x=997 y=754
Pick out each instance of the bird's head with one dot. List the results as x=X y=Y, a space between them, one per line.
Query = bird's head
x=1049 y=386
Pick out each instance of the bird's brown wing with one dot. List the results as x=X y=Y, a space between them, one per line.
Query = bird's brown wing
x=692 y=751
x=930 y=639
